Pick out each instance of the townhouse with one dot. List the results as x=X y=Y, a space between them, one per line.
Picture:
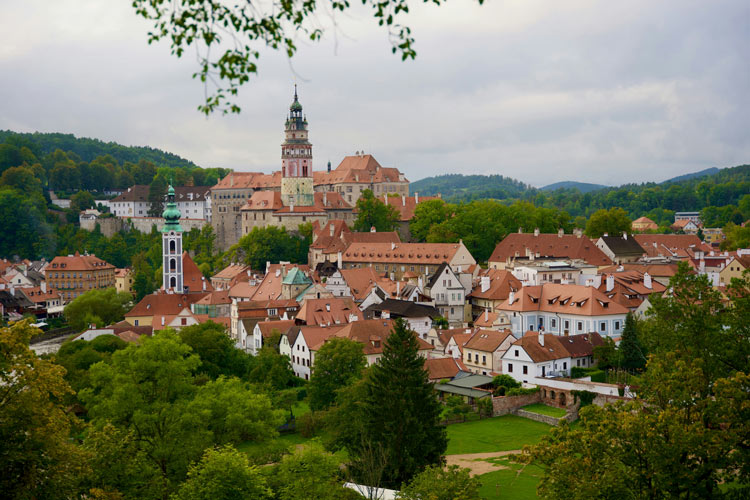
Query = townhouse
x=559 y=246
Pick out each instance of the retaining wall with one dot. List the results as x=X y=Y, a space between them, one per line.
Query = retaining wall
x=545 y=419
x=502 y=405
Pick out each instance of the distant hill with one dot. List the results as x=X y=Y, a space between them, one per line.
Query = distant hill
x=702 y=173
x=470 y=187
x=583 y=187
x=88 y=149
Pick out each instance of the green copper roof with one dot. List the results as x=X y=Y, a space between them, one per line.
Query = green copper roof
x=171 y=214
x=295 y=277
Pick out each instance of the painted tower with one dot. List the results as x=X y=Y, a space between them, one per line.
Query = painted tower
x=296 y=159
x=172 y=245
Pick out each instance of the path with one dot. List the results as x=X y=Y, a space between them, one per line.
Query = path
x=477 y=463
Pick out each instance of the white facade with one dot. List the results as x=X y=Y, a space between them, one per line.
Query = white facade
x=172 y=262
x=518 y=364
x=129 y=208
x=302 y=357
x=552 y=272
x=336 y=284
x=449 y=296
x=561 y=324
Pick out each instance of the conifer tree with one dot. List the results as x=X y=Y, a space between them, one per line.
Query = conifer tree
x=400 y=413
x=631 y=351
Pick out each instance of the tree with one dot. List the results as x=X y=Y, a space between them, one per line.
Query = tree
x=157 y=191
x=427 y=214
x=504 y=382
x=631 y=351
x=438 y=483
x=614 y=222
x=398 y=411
x=81 y=201
x=248 y=28
x=272 y=369
x=98 y=306
x=372 y=212
x=269 y=244
x=607 y=355
x=338 y=363
x=309 y=474
x=223 y=474
x=38 y=459
x=22 y=179
x=26 y=232
x=216 y=350
x=78 y=356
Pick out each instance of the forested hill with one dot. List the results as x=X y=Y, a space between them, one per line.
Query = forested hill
x=87 y=149
x=470 y=187
x=583 y=187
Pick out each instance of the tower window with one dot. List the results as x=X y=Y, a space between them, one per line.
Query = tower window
x=172 y=264
x=172 y=282
x=172 y=246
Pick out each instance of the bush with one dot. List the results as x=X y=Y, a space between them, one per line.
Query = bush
x=267 y=453
x=308 y=424
x=580 y=372
x=521 y=391
x=484 y=407
x=598 y=376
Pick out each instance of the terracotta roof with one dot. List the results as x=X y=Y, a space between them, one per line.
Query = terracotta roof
x=404 y=309
x=322 y=237
x=568 y=246
x=322 y=202
x=249 y=180
x=372 y=334
x=129 y=336
x=418 y=253
x=123 y=273
x=655 y=270
x=243 y=290
x=487 y=319
x=487 y=340
x=371 y=237
x=78 y=262
x=264 y=200
x=358 y=169
x=192 y=277
x=330 y=311
x=360 y=281
x=213 y=298
x=643 y=220
x=36 y=295
x=442 y=368
x=267 y=327
x=270 y=287
x=665 y=244
x=406 y=205
x=124 y=326
x=556 y=347
x=501 y=283
x=628 y=286
x=231 y=271
x=315 y=336
x=567 y=299
x=164 y=304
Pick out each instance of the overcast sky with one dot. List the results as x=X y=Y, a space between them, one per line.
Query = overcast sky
x=542 y=91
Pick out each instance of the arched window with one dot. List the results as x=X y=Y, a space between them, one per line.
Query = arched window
x=172 y=282
x=172 y=264
x=172 y=246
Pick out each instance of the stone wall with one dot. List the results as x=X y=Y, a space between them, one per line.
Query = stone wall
x=502 y=405
x=108 y=226
x=545 y=419
x=144 y=224
x=603 y=399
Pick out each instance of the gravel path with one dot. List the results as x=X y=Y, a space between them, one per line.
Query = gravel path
x=477 y=463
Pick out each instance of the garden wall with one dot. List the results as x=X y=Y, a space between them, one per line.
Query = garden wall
x=502 y=405
x=603 y=399
x=545 y=419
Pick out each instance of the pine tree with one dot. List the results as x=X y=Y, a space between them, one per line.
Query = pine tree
x=401 y=413
x=631 y=351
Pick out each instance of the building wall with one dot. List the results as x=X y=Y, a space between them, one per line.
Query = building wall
x=225 y=214
x=72 y=283
x=555 y=323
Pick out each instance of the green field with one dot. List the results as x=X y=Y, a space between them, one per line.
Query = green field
x=505 y=433
x=517 y=482
x=543 y=409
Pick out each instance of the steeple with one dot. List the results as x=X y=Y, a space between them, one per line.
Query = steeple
x=296 y=158
x=172 y=274
x=171 y=213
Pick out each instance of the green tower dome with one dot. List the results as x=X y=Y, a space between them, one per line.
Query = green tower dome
x=171 y=213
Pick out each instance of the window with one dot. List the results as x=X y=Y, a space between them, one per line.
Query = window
x=617 y=325
x=565 y=365
x=603 y=326
x=516 y=352
x=484 y=360
x=476 y=358
x=183 y=321
x=525 y=370
x=510 y=368
x=553 y=323
x=580 y=326
x=135 y=323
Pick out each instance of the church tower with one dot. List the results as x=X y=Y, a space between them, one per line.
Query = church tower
x=296 y=159
x=172 y=246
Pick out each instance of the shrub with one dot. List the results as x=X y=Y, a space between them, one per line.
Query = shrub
x=308 y=424
x=586 y=397
x=267 y=453
x=506 y=381
x=580 y=371
x=598 y=376
x=521 y=391
x=484 y=407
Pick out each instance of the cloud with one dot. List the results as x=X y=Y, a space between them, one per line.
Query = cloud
x=583 y=90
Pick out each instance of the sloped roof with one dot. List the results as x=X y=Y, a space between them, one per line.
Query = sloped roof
x=360 y=281
x=487 y=340
x=315 y=336
x=566 y=299
x=295 y=277
x=267 y=327
x=406 y=205
x=655 y=270
x=192 y=277
x=183 y=193
x=418 y=253
x=231 y=271
x=442 y=368
x=164 y=304
x=264 y=200
x=568 y=246
x=372 y=334
x=139 y=192
x=623 y=246
x=659 y=244
x=403 y=309
x=555 y=347
x=501 y=283
x=249 y=180
x=330 y=311
x=78 y=262
x=214 y=298
x=644 y=220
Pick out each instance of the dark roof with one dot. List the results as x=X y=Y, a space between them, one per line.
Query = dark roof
x=403 y=308
x=623 y=246
x=326 y=268
x=434 y=278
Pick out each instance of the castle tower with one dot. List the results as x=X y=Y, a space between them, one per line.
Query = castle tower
x=296 y=159
x=172 y=245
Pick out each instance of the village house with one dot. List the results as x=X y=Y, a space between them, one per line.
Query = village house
x=629 y=288
x=396 y=259
x=563 y=310
x=417 y=316
x=643 y=224
x=152 y=308
x=532 y=272
x=328 y=311
x=494 y=320
x=357 y=173
x=735 y=267
x=448 y=294
x=439 y=369
x=559 y=246
x=74 y=275
x=244 y=315
x=261 y=332
x=330 y=240
x=491 y=290
x=124 y=280
x=223 y=279
x=47 y=302
x=670 y=245
x=483 y=351
x=539 y=355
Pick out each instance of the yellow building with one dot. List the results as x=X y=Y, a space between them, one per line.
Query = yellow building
x=734 y=269
x=76 y=274
x=713 y=235
x=124 y=280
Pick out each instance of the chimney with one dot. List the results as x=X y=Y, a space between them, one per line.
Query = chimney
x=403 y=200
x=385 y=198
x=325 y=199
x=353 y=317
x=536 y=231
x=393 y=245
x=419 y=284
x=328 y=307
x=520 y=230
x=333 y=229
x=511 y=297
x=416 y=197
x=610 y=282
x=92 y=326
x=606 y=235
x=338 y=260
x=486 y=315
x=398 y=289
x=541 y=337
x=162 y=321
x=560 y=233
x=329 y=167
x=291 y=206
x=204 y=286
x=385 y=315
x=268 y=266
x=647 y=280
x=484 y=282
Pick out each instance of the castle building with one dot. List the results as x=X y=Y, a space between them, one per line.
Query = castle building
x=296 y=159
x=172 y=245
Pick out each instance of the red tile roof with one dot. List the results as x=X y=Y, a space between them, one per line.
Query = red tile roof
x=330 y=311
x=406 y=205
x=487 y=340
x=567 y=299
x=164 y=304
x=249 y=180
x=78 y=262
x=418 y=253
x=501 y=283
x=568 y=246
x=442 y=368
x=192 y=277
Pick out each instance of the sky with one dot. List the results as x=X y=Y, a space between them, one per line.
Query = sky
x=541 y=91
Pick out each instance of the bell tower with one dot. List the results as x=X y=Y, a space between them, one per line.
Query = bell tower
x=296 y=159
x=172 y=275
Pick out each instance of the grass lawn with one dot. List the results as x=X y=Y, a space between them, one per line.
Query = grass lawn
x=543 y=409
x=505 y=433
x=300 y=408
x=517 y=482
